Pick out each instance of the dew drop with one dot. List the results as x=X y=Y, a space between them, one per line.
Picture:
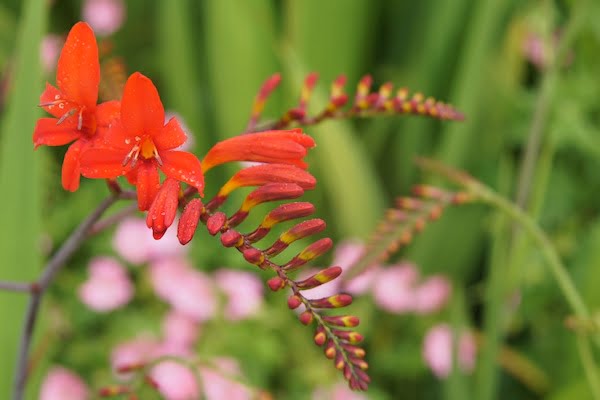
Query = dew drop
x=61 y=105
x=127 y=141
x=137 y=138
x=57 y=96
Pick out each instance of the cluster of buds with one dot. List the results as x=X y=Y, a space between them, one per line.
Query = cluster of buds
x=401 y=223
x=365 y=104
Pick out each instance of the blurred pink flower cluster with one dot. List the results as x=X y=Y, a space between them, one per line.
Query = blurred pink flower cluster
x=438 y=354
x=397 y=288
x=193 y=297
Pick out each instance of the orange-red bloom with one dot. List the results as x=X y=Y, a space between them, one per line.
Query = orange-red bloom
x=73 y=103
x=282 y=147
x=141 y=144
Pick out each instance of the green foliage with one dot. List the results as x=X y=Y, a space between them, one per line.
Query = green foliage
x=210 y=58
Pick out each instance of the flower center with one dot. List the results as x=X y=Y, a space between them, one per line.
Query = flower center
x=144 y=148
x=84 y=119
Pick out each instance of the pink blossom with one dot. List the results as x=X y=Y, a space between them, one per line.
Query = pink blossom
x=394 y=288
x=62 y=384
x=188 y=291
x=136 y=352
x=49 y=51
x=175 y=381
x=432 y=294
x=104 y=16
x=437 y=350
x=179 y=329
x=346 y=254
x=134 y=242
x=108 y=286
x=217 y=386
x=244 y=293
x=340 y=391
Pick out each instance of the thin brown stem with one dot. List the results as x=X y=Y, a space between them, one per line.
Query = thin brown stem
x=15 y=286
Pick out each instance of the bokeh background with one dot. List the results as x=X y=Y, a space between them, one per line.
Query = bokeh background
x=516 y=69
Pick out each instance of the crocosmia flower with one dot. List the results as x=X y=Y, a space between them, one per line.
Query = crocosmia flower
x=73 y=104
x=141 y=145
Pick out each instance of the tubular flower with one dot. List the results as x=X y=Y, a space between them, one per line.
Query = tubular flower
x=141 y=144
x=282 y=147
x=73 y=104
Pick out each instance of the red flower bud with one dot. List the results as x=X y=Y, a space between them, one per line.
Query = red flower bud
x=189 y=220
x=215 y=222
x=163 y=210
x=231 y=238
x=320 y=278
x=294 y=302
x=276 y=283
x=335 y=301
x=306 y=318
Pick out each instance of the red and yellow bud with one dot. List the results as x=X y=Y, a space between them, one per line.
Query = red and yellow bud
x=311 y=252
x=232 y=238
x=335 y=301
x=320 y=336
x=330 y=351
x=163 y=209
x=349 y=336
x=294 y=302
x=306 y=318
x=254 y=256
x=347 y=321
x=189 y=220
x=276 y=283
x=320 y=278
x=269 y=173
x=271 y=192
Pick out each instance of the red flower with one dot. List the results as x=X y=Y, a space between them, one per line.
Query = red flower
x=141 y=144
x=73 y=103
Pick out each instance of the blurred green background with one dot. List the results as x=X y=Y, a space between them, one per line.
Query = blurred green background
x=209 y=58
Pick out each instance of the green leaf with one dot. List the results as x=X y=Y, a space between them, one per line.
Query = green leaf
x=19 y=178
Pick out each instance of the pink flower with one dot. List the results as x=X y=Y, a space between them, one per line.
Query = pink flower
x=244 y=293
x=104 y=16
x=50 y=50
x=437 y=350
x=188 y=291
x=175 y=381
x=432 y=294
x=180 y=330
x=134 y=242
x=217 y=386
x=62 y=384
x=134 y=353
x=394 y=288
x=108 y=286
x=340 y=391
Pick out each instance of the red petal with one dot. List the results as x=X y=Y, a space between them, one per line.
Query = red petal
x=184 y=167
x=47 y=133
x=50 y=95
x=170 y=137
x=102 y=163
x=108 y=113
x=147 y=183
x=78 y=72
x=142 y=112
x=71 y=166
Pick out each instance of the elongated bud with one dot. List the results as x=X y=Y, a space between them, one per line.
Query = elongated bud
x=271 y=192
x=350 y=336
x=294 y=302
x=309 y=83
x=355 y=351
x=163 y=209
x=339 y=362
x=359 y=362
x=335 y=301
x=282 y=213
x=362 y=92
x=320 y=278
x=276 y=283
x=269 y=173
x=232 y=238
x=278 y=146
x=189 y=220
x=215 y=222
x=299 y=231
x=347 y=321
x=259 y=101
x=311 y=252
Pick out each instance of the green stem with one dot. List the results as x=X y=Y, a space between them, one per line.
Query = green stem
x=589 y=365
